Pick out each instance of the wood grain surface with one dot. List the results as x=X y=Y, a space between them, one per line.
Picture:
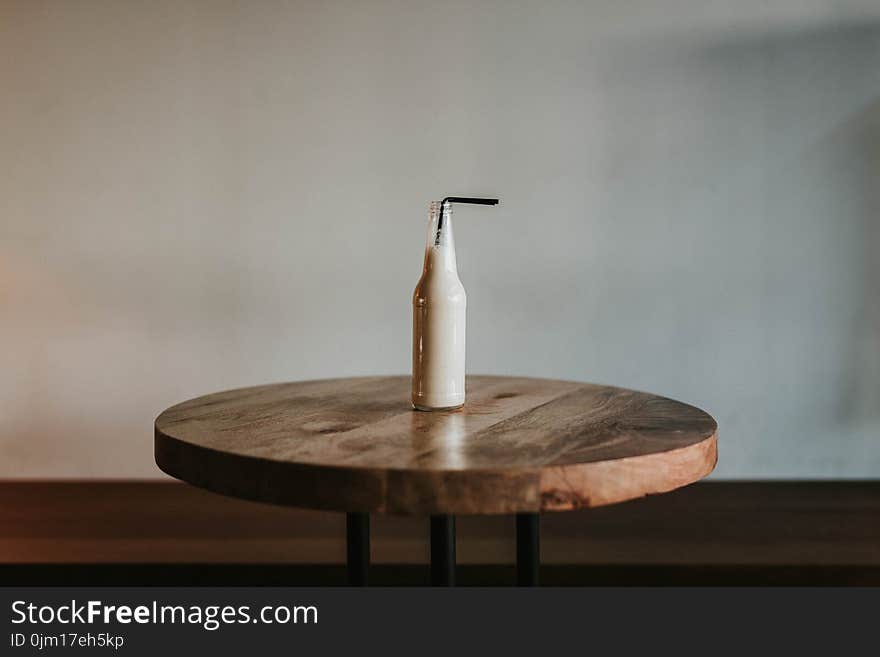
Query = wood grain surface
x=518 y=445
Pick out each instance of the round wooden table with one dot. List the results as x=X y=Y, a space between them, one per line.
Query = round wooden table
x=519 y=446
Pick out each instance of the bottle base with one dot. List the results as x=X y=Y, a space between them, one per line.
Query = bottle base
x=420 y=407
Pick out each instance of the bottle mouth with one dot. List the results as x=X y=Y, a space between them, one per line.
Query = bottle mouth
x=443 y=208
x=435 y=207
x=445 y=204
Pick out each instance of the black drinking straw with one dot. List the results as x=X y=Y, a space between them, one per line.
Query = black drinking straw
x=460 y=199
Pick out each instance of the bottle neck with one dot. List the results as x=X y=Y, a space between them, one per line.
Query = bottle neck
x=440 y=247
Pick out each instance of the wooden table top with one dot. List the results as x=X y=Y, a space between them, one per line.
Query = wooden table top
x=518 y=445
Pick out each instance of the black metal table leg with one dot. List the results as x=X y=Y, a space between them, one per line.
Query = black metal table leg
x=357 y=534
x=528 y=552
x=442 y=550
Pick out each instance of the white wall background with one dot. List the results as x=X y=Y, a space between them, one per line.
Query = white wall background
x=203 y=195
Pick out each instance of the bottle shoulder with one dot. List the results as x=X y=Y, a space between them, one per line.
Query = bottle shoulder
x=439 y=287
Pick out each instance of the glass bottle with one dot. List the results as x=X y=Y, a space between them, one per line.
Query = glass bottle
x=439 y=308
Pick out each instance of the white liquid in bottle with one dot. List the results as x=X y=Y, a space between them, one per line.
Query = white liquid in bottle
x=439 y=305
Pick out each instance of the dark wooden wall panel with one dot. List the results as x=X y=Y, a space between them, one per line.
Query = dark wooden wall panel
x=711 y=532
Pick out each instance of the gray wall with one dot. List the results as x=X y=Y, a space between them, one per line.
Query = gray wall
x=202 y=195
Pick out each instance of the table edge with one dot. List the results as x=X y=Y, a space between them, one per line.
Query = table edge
x=425 y=492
